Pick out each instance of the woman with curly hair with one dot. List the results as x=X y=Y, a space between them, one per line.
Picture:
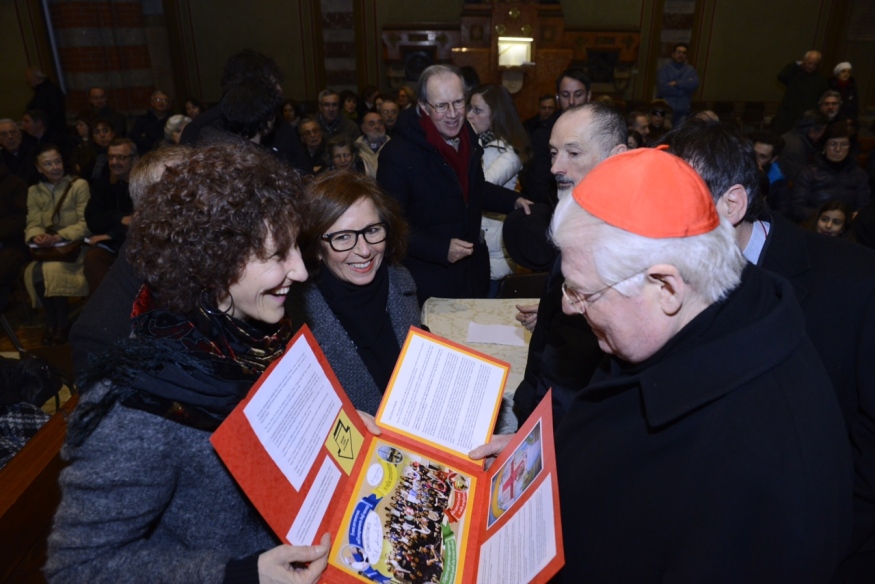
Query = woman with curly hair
x=145 y=498
x=363 y=300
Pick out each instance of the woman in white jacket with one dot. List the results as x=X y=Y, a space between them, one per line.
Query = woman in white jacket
x=505 y=149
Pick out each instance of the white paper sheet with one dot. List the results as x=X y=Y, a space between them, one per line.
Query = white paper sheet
x=303 y=530
x=524 y=545
x=293 y=412
x=497 y=334
x=444 y=396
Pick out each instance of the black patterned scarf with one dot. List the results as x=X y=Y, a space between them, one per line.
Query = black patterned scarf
x=192 y=369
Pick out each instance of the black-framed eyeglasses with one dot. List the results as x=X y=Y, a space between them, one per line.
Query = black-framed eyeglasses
x=582 y=301
x=347 y=239
x=442 y=108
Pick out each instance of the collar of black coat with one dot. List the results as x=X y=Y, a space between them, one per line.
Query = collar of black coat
x=728 y=344
x=787 y=253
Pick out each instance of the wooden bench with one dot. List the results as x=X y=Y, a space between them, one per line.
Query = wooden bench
x=29 y=496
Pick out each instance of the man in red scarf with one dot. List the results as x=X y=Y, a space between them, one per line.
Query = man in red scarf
x=433 y=168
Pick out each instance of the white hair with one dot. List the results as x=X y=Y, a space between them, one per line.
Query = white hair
x=173 y=124
x=710 y=263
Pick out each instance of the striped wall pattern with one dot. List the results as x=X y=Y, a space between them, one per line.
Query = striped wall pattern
x=103 y=42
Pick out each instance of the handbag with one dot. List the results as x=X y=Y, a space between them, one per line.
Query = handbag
x=58 y=253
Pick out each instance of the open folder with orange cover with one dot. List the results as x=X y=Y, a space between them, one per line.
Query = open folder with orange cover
x=407 y=505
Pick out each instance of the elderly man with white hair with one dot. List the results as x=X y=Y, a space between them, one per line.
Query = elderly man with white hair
x=709 y=446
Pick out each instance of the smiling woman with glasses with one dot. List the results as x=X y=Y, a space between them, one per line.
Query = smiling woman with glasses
x=362 y=301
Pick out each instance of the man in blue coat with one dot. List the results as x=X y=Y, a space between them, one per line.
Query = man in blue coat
x=433 y=167
x=677 y=81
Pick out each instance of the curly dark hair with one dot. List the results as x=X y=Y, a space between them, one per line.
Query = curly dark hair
x=331 y=194
x=207 y=216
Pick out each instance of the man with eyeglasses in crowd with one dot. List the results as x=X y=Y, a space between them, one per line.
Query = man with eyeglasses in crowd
x=433 y=167
x=148 y=130
x=389 y=112
x=109 y=211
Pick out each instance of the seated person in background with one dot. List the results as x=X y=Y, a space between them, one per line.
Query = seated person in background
x=768 y=148
x=84 y=152
x=13 y=216
x=144 y=495
x=638 y=121
x=660 y=118
x=193 y=107
x=834 y=175
x=341 y=154
x=331 y=120
x=173 y=129
x=148 y=130
x=18 y=152
x=708 y=446
x=312 y=138
x=109 y=212
x=101 y=136
x=389 y=110
x=371 y=142
x=363 y=300
x=56 y=213
x=546 y=108
x=100 y=108
x=34 y=123
x=800 y=143
x=832 y=219
x=106 y=317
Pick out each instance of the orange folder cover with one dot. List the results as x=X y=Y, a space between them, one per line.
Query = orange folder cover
x=400 y=507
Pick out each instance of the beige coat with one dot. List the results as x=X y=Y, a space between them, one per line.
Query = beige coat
x=61 y=278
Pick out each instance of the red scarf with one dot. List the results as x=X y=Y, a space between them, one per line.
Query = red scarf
x=458 y=161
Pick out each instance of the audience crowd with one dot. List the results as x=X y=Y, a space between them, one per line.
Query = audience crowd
x=681 y=252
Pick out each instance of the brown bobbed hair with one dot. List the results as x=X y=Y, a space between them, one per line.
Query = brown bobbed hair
x=332 y=193
x=208 y=216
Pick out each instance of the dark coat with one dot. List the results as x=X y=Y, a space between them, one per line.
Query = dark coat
x=13 y=218
x=802 y=93
x=413 y=171
x=540 y=186
x=563 y=354
x=722 y=458
x=308 y=305
x=148 y=131
x=834 y=282
x=106 y=318
x=108 y=205
x=49 y=98
x=22 y=163
x=821 y=181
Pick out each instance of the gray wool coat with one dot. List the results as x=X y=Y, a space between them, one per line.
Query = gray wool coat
x=146 y=499
x=341 y=352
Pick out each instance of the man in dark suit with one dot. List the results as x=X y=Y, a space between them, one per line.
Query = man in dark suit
x=834 y=282
x=433 y=168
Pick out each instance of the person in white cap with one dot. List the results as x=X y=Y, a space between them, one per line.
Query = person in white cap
x=846 y=85
x=709 y=446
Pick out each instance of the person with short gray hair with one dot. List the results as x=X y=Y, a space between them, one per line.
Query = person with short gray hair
x=330 y=118
x=709 y=445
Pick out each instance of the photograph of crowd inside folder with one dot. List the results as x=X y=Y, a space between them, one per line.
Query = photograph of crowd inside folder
x=408 y=505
